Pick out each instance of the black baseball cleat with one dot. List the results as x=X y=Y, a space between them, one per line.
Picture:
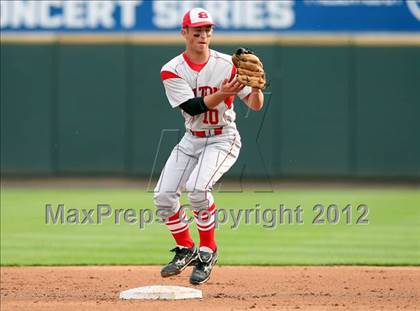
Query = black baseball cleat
x=203 y=267
x=183 y=258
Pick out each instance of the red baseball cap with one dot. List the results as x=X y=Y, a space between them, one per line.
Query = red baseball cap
x=197 y=17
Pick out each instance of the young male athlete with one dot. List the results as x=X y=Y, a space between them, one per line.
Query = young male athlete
x=201 y=83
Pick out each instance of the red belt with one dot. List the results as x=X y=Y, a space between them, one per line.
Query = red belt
x=207 y=133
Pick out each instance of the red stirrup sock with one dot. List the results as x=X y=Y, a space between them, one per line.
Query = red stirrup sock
x=179 y=228
x=206 y=227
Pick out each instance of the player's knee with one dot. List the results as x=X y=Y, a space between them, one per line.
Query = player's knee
x=198 y=199
x=199 y=196
x=193 y=186
x=165 y=199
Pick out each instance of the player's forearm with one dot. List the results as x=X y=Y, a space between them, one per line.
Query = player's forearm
x=255 y=99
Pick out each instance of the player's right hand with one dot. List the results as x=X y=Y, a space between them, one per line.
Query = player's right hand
x=232 y=87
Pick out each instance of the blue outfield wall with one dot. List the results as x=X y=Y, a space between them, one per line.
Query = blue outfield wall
x=331 y=111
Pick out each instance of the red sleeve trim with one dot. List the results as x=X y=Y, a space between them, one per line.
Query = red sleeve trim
x=233 y=73
x=168 y=75
x=229 y=101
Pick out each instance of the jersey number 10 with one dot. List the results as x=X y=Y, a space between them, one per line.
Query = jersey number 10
x=211 y=117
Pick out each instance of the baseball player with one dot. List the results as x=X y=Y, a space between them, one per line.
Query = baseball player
x=202 y=83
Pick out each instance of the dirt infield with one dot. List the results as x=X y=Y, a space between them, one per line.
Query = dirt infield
x=230 y=288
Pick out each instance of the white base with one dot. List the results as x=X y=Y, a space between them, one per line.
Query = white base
x=161 y=292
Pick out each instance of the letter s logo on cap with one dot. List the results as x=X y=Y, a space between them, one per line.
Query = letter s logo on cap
x=203 y=15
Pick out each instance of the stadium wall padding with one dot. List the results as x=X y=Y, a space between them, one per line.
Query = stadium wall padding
x=331 y=111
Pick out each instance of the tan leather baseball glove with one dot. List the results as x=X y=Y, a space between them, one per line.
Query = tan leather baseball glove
x=250 y=70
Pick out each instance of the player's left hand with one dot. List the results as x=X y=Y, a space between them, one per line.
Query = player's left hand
x=250 y=69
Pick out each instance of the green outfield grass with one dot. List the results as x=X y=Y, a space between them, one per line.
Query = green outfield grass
x=392 y=236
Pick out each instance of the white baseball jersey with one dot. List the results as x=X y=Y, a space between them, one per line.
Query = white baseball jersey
x=184 y=80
